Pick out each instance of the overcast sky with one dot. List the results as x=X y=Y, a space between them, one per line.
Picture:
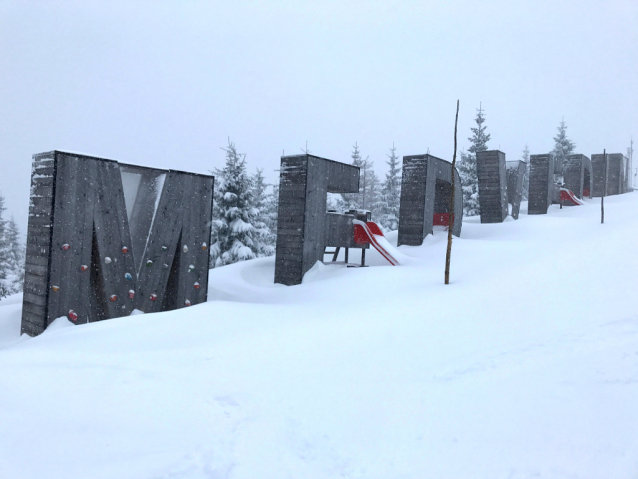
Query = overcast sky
x=167 y=83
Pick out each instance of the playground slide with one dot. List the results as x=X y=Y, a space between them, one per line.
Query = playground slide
x=371 y=233
x=569 y=198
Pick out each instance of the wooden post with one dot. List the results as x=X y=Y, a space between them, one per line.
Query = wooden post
x=451 y=221
x=602 y=198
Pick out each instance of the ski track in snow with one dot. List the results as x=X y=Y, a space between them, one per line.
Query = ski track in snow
x=525 y=367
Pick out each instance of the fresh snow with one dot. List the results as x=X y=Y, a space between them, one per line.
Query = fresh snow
x=526 y=366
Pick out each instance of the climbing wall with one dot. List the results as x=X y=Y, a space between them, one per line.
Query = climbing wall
x=105 y=239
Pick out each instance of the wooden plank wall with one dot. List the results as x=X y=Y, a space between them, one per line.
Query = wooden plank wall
x=541 y=179
x=412 y=202
x=492 y=185
x=616 y=173
x=598 y=175
x=91 y=266
x=302 y=223
x=516 y=172
x=576 y=168
x=419 y=198
x=36 y=289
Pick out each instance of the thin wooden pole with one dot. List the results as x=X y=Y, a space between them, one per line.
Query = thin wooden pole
x=602 y=198
x=448 y=254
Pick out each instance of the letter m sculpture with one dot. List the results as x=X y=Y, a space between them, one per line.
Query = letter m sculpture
x=106 y=238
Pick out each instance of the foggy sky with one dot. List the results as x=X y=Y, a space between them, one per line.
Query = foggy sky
x=166 y=84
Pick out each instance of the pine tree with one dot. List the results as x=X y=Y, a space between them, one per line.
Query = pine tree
x=467 y=165
x=353 y=201
x=264 y=237
x=272 y=208
x=15 y=256
x=234 y=233
x=5 y=267
x=391 y=193
x=563 y=146
x=374 y=199
x=525 y=158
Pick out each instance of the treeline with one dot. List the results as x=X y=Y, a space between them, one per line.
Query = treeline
x=245 y=206
x=12 y=252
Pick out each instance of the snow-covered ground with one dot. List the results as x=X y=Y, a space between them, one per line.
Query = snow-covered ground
x=525 y=366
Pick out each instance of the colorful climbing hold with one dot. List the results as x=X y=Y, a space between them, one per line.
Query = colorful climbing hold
x=113 y=298
x=165 y=265
x=164 y=248
x=124 y=249
x=196 y=285
x=128 y=276
x=185 y=249
x=84 y=267
x=131 y=294
x=204 y=246
x=55 y=288
x=66 y=247
x=73 y=316
x=107 y=260
x=187 y=302
x=191 y=267
x=153 y=297
x=149 y=262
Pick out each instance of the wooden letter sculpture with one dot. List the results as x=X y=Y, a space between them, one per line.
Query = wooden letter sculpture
x=106 y=238
x=492 y=185
x=304 y=228
x=577 y=175
x=425 y=198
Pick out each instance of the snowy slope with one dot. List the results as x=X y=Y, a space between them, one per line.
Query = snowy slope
x=526 y=366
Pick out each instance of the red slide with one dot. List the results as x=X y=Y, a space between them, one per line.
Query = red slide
x=569 y=197
x=371 y=233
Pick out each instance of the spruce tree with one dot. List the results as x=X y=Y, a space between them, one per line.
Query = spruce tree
x=563 y=146
x=353 y=201
x=264 y=237
x=391 y=193
x=467 y=165
x=234 y=233
x=5 y=268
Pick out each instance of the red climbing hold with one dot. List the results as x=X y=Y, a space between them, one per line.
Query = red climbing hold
x=124 y=249
x=187 y=303
x=153 y=297
x=73 y=315
x=84 y=267
x=196 y=285
x=66 y=247
x=113 y=297
x=131 y=294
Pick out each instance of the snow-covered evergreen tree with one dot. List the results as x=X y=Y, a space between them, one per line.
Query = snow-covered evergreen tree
x=233 y=233
x=272 y=208
x=391 y=193
x=467 y=165
x=353 y=201
x=374 y=200
x=369 y=186
x=563 y=146
x=5 y=267
x=15 y=255
x=264 y=237
x=525 y=158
